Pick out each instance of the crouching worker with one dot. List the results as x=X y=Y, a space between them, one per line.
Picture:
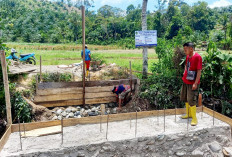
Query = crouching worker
x=121 y=91
x=191 y=81
x=87 y=59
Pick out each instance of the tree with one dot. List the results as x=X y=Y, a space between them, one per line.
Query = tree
x=157 y=24
x=224 y=22
x=87 y=3
x=200 y=17
x=144 y=27
x=174 y=27
x=130 y=8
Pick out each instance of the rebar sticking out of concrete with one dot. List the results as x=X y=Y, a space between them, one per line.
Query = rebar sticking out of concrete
x=136 y=123
x=202 y=111
x=100 y=123
x=107 y=126
x=62 y=131
x=213 y=112
x=175 y=112
x=157 y=113
x=164 y=117
x=130 y=121
x=188 y=119
x=20 y=139
x=24 y=129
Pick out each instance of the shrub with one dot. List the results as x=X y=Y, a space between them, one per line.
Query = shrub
x=217 y=73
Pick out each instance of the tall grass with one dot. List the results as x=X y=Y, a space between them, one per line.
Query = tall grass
x=67 y=47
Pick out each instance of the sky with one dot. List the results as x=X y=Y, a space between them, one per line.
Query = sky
x=152 y=3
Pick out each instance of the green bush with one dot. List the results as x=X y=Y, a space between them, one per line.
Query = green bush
x=20 y=108
x=227 y=108
x=217 y=73
x=163 y=87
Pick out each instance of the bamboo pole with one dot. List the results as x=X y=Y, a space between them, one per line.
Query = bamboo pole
x=83 y=48
x=6 y=87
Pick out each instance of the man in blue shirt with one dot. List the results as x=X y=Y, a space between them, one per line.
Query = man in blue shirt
x=121 y=91
x=87 y=59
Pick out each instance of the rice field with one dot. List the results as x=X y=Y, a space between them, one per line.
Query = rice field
x=62 y=54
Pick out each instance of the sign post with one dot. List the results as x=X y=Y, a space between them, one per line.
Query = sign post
x=146 y=38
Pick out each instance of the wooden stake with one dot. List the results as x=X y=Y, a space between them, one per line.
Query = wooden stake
x=83 y=49
x=40 y=69
x=6 y=87
x=37 y=82
x=130 y=79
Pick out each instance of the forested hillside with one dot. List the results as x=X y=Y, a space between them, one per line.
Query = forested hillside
x=57 y=21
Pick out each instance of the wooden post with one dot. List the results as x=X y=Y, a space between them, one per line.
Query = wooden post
x=6 y=87
x=83 y=48
x=40 y=69
x=130 y=78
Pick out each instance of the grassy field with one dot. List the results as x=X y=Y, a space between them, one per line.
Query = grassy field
x=109 y=54
x=65 y=54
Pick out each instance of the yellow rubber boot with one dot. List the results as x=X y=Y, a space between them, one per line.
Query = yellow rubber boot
x=188 y=113
x=87 y=73
x=193 y=110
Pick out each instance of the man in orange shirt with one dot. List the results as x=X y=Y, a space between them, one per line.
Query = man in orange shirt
x=191 y=81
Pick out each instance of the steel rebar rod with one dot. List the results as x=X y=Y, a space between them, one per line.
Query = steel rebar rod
x=136 y=123
x=188 y=119
x=62 y=131
x=213 y=112
x=24 y=129
x=175 y=112
x=107 y=126
x=100 y=123
x=20 y=139
x=164 y=118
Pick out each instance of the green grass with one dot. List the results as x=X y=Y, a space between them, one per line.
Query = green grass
x=120 y=57
x=108 y=54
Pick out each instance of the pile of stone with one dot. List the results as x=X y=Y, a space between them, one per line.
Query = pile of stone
x=80 y=111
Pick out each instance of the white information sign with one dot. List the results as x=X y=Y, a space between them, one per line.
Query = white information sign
x=146 y=38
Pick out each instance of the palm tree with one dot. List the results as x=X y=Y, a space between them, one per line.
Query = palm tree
x=144 y=27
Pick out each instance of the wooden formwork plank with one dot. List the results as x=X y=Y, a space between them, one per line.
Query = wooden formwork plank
x=54 y=91
x=96 y=119
x=5 y=137
x=46 y=85
x=76 y=90
x=78 y=102
x=34 y=125
x=71 y=96
x=42 y=131
x=218 y=116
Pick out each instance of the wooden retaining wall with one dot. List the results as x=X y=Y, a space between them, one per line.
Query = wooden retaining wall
x=53 y=94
